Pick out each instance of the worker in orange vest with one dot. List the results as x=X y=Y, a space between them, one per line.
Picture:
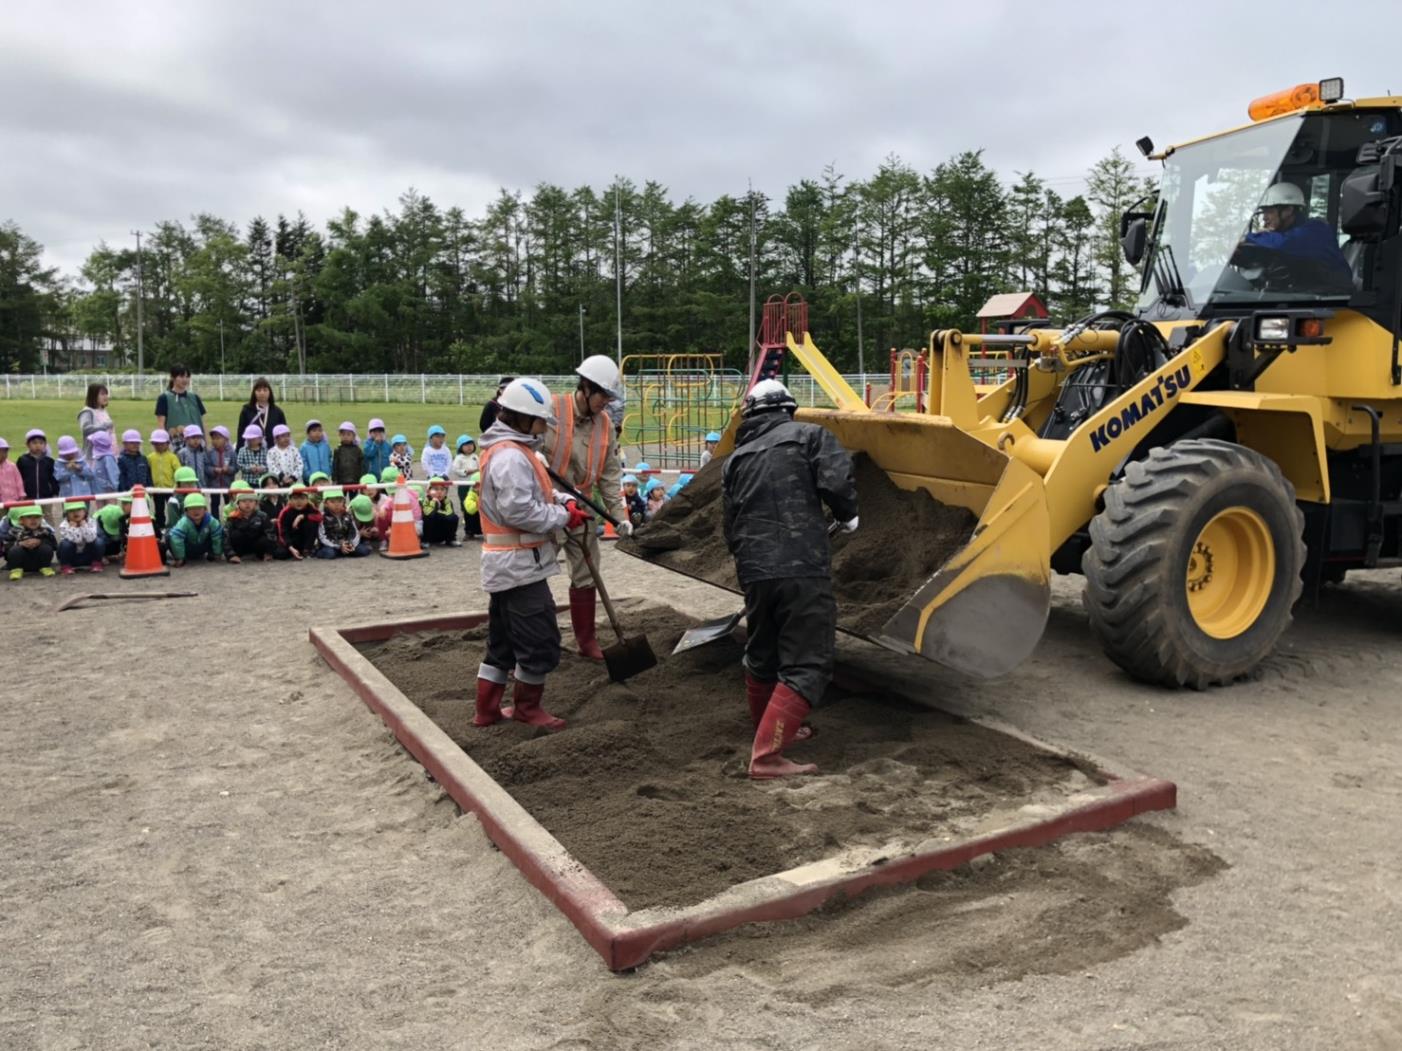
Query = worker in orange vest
x=521 y=513
x=582 y=448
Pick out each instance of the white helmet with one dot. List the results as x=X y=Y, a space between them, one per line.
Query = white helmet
x=766 y=395
x=1283 y=193
x=600 y=370
x=528 y=397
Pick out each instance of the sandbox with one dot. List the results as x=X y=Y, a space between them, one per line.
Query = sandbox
x=638 y=820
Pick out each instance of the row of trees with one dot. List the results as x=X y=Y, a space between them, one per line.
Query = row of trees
x=427 y=288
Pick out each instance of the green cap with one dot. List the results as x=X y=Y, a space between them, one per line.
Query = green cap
x=74 y=505
x=389 y=474
x=28 y=511
x=474 y=478
x=362 y=508
x=319 y=476
x=246 y=493
x=195 y=500
x=438 y=480
x=335 y=493
x=368 y=479
x=240 y=484
x=185 y=474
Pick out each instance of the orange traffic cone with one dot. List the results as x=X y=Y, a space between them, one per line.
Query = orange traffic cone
x=143 y=557
x=403 y=541
x=610 y=533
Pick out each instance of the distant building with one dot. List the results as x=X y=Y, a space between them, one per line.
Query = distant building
x=76 y=355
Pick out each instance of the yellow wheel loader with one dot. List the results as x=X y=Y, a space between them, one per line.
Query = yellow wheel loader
x=1231 y=443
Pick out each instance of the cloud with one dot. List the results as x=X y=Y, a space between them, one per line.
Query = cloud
x=124 y=114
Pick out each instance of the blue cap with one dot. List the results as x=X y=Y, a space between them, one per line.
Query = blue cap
x=681 y=481
x=463 y=439
x=399 y=439
x=642 y=466
x=654 y=483
x=713 y=436
x=629 y=479
x=435 y=429
x=673 y=489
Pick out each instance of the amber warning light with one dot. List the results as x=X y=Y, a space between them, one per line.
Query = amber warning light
x=1301 y=96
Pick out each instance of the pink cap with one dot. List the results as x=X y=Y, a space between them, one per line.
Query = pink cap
x=101 y=442
x=67 y=447
x=376 y=424
x=221 y=430
x=193 y=431
x=253 y=431
x=160 y=435
x=131 y=434
x=281 y=429
x=35 y=433
x=346 y=425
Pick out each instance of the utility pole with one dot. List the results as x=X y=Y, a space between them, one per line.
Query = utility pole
x=857 y=270
x=581 y=332
x=749 y=183
x=140 y=294
x=221 y=346
x=618 y=264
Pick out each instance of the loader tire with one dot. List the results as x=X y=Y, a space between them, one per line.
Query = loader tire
x=1194 y=564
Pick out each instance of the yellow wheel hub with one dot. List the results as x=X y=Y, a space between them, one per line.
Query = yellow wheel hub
x=1230 y=572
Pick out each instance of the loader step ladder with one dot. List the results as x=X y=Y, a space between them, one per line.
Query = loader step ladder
x=782 y=315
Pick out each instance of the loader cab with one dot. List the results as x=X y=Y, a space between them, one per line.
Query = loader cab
x=1199 y=244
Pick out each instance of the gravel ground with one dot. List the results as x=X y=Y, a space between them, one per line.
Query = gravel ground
x=210 y=843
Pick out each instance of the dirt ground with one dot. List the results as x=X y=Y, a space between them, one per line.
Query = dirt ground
x=663 y=822
x=210 y=843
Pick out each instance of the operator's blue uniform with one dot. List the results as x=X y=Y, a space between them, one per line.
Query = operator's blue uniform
x=1309 y=239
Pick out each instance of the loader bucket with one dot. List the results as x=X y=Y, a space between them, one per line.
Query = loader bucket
x=984 y=610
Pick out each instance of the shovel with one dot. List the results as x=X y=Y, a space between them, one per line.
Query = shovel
x=720 y=627
x=631 y=654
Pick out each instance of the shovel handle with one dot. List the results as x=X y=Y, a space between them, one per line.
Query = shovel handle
x=599 y=587
x=582 y=498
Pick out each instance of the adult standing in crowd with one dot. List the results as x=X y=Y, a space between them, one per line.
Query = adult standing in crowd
x=582 y=448
x=489 y=411
x=93 y=417
x=261 y=409
x=179 y=407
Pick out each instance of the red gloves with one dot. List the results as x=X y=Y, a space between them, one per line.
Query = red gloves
x=578 y=516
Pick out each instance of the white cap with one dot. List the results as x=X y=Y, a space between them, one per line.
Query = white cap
x=600 y=370
x=1283 y=193
x=529 y=397
x=766 y=395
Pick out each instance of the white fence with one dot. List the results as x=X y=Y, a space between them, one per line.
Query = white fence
x=339 y=388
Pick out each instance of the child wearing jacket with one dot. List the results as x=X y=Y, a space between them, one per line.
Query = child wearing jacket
x=362 y=509
x=164 y=464
x=247 y=531
x=316 y=451
x=252 y=457
x=347 y=462
x=113 y=521
x=440 y=520
x=284 y=461
x=72 y=474
x=376 y=449
x=11 y=484
x=198 y=536
x=132 y=467
x=79 y=542
x=384 y=510
x=107 y=478
x=464 y=466
x=223 y=465
x=437 y=458
x=401 y=457
x=298 y=527
x=471 y=520
x=338 y=537
x=29 y=543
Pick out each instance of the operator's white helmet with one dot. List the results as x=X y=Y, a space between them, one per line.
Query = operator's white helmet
x=1283 y=193
x=600 y=370
x=766 y=395
x=528 y=397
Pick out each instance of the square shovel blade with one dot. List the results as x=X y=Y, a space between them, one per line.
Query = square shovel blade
x=628 y=656
x=707 y=631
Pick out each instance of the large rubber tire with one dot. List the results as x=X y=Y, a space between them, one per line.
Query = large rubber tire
x=1151 y=532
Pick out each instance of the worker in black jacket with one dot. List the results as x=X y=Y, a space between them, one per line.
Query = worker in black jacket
x=774 y=487
x=489 y=411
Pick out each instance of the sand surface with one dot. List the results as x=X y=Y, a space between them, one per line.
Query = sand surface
x=903 y=538
x=209 y=842
x=648 y=786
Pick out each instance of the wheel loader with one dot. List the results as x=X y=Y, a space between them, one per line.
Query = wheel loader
x=1232 y=442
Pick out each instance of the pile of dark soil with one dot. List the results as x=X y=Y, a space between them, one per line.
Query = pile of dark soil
x=647 y=787
x=903 y=538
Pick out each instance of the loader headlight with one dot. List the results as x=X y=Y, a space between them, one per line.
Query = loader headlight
x=1273 y=329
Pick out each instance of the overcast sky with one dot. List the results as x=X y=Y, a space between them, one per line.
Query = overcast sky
x=119 y=114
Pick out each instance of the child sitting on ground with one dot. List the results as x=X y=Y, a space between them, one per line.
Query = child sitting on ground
x=107 y=477
x=271 y=503
x=11 y=484
x=186 y=479
x=317 y=483
x=298 y=527
x=72 y=474
x=113 y=521
x=363 y=511
x=656 y=498
x=252 y=457
x=79 y=543
x=29 y=543
x=348 y=461
x=384 y=515
x=437 y=457
x=339 y=537
x=401 y=458
x=247 y=529
x=633 y=501
x=284 y=461
x=198 y=536
x=440 y=520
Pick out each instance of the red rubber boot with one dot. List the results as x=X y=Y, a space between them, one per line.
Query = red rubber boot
x=757 y=694
x=778 y=728
x=582 y=602
x=526 y=707
x=488 y=702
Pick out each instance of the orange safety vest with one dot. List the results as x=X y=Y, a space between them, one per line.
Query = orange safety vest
x=497 y=537
x=564 y=443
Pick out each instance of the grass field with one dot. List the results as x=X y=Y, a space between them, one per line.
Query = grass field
x=61 y=417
